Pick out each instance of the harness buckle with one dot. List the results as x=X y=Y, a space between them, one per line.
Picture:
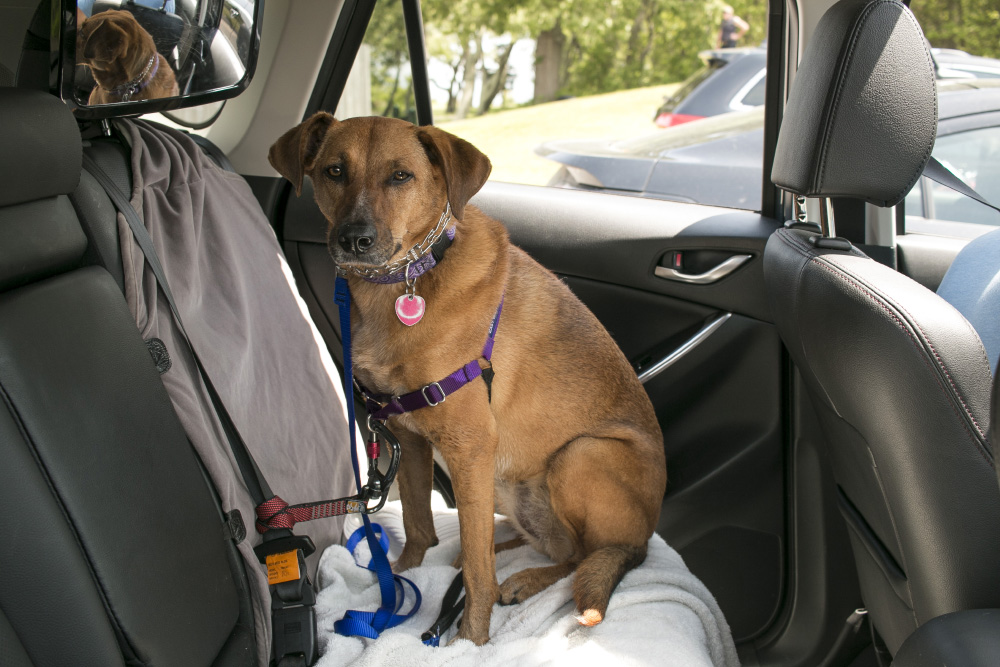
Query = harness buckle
x=430 y=401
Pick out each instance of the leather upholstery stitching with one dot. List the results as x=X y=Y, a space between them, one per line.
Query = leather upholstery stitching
x=124 y=640
x=842 y=71
x=841 y=81
x=839 y=272
x=797 y=243
x=941 y=364
x=930 y=146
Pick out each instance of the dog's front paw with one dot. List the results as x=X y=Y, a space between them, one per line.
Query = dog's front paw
x=477 y=638
x=410 y=558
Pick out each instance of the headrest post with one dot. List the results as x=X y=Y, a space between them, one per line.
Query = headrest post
x=826 y=217
x=105 y=127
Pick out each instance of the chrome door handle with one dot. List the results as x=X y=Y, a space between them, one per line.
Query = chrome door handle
x=710 y=276
x=709 y=328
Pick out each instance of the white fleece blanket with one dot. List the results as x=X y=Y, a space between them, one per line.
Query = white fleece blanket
x=660 y=614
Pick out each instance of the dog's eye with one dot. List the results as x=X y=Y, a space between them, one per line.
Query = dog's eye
x=335 y=171
x=401 y=176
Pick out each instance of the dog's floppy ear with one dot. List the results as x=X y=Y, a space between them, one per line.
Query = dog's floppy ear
x=103 y=43
x=295 y=152
x=464 y=166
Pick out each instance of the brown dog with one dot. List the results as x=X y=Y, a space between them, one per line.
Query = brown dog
x=123 y=58
x=565 y=444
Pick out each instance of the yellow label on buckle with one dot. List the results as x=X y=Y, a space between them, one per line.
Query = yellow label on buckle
x=282 y=567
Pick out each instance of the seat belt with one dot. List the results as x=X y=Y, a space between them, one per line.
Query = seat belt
x=936 y=171
x=293 y=597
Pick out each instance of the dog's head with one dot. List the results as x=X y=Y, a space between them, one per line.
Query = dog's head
x=382 y=183
x=115 y=46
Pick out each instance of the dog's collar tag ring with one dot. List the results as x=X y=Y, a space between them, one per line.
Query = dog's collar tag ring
x=410 y=307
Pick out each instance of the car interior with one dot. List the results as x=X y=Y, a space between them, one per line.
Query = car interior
x=825 y=382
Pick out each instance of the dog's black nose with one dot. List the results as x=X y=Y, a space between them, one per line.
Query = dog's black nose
x=357 y=238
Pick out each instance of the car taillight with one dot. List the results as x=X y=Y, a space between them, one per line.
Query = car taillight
x=671 y=119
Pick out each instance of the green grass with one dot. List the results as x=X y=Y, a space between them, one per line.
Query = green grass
x=509 y=137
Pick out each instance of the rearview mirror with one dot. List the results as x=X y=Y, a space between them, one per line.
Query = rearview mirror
x=123 y=57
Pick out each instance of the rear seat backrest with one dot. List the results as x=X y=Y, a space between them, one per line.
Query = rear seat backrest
x=114 y=547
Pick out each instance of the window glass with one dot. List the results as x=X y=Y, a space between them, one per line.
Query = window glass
x=914 y=199
x=755 y=97
x=565 y=93
x=964 y=36
x=381 y=83
x=974 y=157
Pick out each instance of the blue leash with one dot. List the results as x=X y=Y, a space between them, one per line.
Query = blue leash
x=361 y=623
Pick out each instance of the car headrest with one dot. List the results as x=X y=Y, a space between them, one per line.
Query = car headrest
x=861 y=116
x=41 y=154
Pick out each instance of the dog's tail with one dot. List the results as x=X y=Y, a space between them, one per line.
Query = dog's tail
x=598 y=575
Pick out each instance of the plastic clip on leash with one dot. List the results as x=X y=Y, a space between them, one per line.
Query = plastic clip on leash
x=358 y=623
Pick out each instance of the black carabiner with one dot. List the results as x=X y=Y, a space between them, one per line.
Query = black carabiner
x=378 y=482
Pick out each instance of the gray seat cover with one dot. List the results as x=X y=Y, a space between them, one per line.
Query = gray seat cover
x=251 y=330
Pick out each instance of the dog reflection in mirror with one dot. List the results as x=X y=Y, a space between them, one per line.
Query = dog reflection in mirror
x=123 y=58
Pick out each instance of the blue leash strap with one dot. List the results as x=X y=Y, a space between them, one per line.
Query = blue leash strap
x=360 y=623
x=357 y=623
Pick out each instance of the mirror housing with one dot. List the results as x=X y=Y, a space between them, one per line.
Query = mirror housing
x=129 y=57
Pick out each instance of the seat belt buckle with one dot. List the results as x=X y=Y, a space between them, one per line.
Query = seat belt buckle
x=293 y=612
x=294 y=634
x=279 y=545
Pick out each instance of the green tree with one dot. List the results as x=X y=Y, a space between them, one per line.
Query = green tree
x=391 y=79
x=969 y=25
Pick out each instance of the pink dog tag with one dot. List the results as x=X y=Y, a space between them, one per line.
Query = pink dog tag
x=410 y=309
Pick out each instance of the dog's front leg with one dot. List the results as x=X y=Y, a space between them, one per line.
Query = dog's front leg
x=416 y=477
x=470 y=454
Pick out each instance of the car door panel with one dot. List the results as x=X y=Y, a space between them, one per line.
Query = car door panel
x=719 y=404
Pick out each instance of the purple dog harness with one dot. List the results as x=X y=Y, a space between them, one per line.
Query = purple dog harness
x=422 y=258
x=381 y=406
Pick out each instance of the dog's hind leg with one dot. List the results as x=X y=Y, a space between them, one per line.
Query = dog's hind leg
x=612 y=518
x=522 y=585
x=416 y=478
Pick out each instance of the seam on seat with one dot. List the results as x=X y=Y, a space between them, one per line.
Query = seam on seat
x=895 y=530
x=884 y=304
x=112 y=617
x=841 y=80
x=796 y=242
x=927 y=151
x=940 y=361
x=841 y=74
x=857 y=524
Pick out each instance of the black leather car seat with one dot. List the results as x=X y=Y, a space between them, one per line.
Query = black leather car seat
x=115 y=548
x=898 y=376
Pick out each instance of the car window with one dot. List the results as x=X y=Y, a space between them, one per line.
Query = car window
x=381 y=83
x=966 y=53
x=973 y=156
x=688 y=86
x=552 y=94
x=755 y=96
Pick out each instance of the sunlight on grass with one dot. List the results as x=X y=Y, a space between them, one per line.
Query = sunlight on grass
x=509 y=137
